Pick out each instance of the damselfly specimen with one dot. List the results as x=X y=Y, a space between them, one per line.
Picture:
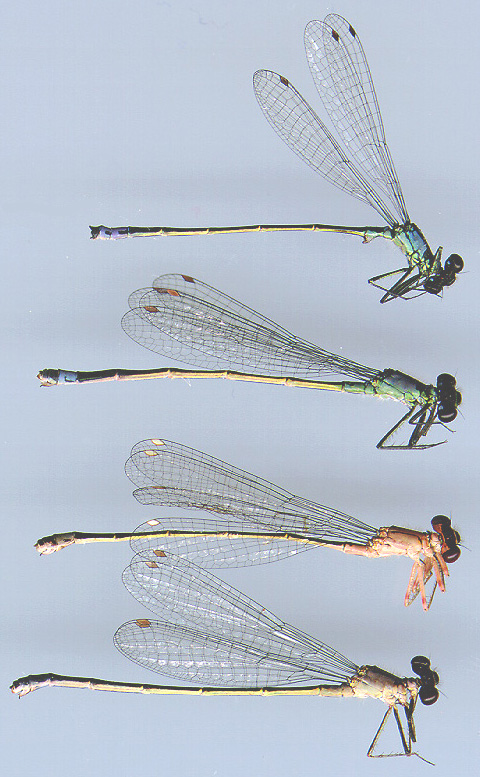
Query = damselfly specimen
x=358 y=162
x=214 y=635
x=190 y=321
x=255 y=521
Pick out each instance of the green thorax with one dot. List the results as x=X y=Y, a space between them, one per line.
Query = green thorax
x=392 y=384
x=396 y=385
x=411 y=242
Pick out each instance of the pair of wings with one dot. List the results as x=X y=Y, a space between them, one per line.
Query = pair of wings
x=212 y=634
x=169 y=474
x=173 y=475
x=187 y=320
x=363 y=166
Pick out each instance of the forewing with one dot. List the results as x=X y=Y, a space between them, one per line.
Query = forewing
x=184 y=319
x=342 y=77
x=174 y=475
x=223 y=621
x=304 y=132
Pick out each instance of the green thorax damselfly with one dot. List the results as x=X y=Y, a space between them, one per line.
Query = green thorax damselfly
x=192 y=322
x=358 y=161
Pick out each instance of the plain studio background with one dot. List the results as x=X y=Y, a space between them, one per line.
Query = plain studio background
x=143 y=113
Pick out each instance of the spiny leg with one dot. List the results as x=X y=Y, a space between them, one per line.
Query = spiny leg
x=373 y=281
x=430 y=598
x=415 y=585
x=421 y=570
x=422 y=427
x=412 y=417
x=375 y=739
x=381 y=444
x=405 y=285
x=441 y=571
x=407 y=746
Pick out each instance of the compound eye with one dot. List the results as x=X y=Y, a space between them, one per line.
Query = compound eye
x=450 y=538
x=454 y=263
x=458 y=398
x=441 y=523
x=433 y=285
x=445 y=380
x=428 y=694
x=420 y=665
x=446 y=414
x=450 y=555
x=449 y=278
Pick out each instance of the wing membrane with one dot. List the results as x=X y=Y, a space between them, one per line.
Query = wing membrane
x=212 y=626
x=304 y=132
x=184 y=319
x=342 y=76
x=174 y=475
x=216 y=552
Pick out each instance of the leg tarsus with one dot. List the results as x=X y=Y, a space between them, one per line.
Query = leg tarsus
x=407 y=746
x=404 y=285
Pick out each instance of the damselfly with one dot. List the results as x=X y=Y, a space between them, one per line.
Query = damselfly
x=358 y=162
x=255 y=521
x=215 y=636
x=190 y=321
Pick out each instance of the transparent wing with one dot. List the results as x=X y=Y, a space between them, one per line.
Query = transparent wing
x=343 y=80
x=214 y=633
x=187 y=320
x=204 y=659
x=302 y=130
x=173 y=475
x=216 y=552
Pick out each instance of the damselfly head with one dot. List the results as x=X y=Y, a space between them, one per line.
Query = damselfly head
x=442 y=525
x=433 y=284
x=445 y=276
x=454 y=264
x=428 y=693
x=448 y=398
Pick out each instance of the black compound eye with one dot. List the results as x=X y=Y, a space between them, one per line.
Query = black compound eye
x=450 y=538
x=449 y=278
x=420 y=665
x=441 y=523
x=454 y=263
x=428 y=694
x=446 y=413
x=445 y=380
x=433 y=285
x=458 y=398
x=451 y=555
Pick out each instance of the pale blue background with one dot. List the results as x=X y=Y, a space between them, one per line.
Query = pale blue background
x=143 y=112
